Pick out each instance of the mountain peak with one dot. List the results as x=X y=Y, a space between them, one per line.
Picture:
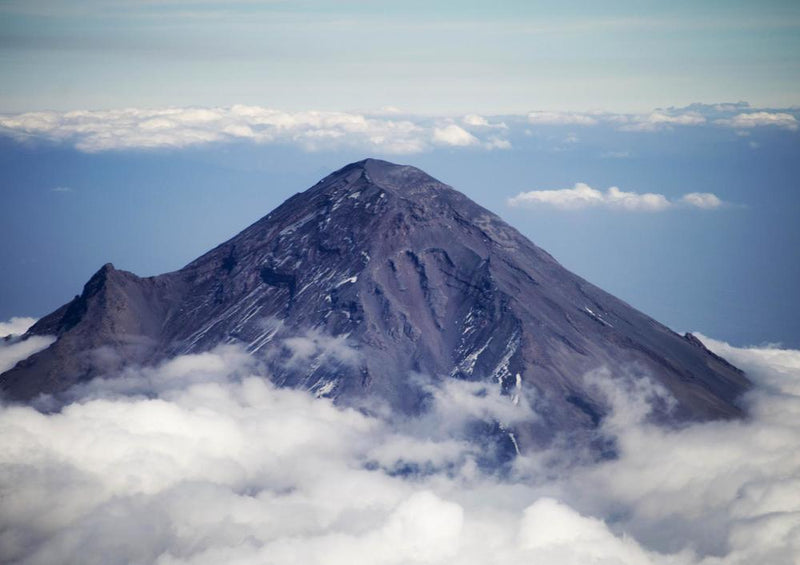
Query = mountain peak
x=404 y=181
x=377 y=273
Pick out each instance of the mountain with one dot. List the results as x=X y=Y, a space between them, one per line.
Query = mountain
x=376 y=274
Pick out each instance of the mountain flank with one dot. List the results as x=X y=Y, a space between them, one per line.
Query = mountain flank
x=387 y=275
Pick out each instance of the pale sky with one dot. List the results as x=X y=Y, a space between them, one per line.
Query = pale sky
x=423 y=57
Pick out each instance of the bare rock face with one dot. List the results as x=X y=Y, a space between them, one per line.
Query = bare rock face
x=386 y=273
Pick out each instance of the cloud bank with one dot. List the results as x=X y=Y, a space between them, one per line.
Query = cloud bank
x=134 y=128
x=387 y=131
x=583 y=196
x=197 y=462
x=759 y=119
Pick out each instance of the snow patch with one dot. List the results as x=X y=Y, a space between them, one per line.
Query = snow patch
x=352 y=279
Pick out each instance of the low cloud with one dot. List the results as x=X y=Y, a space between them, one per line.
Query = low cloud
x=454 y=135
x=660 y=119
x=477 y=121
x=583 y=196
x=696 y=115
x=750 y=120
x=16 y=326
x=134 y=128
x=13 y=351
x=387 y=131
x=197 y=461
x=704 y=200
x=13 y=348
x=562 y=118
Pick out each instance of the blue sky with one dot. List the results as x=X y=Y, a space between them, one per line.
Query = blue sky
x=144 y=133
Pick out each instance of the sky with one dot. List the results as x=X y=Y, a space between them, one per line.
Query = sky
x=433 y=57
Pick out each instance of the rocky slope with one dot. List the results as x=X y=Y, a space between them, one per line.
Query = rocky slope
x=378 y=273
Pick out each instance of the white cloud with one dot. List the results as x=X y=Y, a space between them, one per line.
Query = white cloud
x=476 y=120
x=16 y=326
x=453 y=135
x=134 y=128
x=583 y=196
x=196 y=463
x=386 y=131
x=660 y=119
x=497 y=143
x=562 y=118
x=14 y=351
x=704 y=200
x=759 y=119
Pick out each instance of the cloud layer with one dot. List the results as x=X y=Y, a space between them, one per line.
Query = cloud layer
x=197 y=462
x=133 y=128
x=16 y=326
x=388 y=131
x=583 y=196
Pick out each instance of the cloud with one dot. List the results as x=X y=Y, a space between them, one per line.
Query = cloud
x=14 y=351
x=749 y=120
x=583 y=196
x=197 y=461
x=134 y=128
x=495 y=142
x=562 y=118
x=704 y=200
x=16 y=326
x=386 y=131
x=660 y=119
x=477 y=121
x=454 y=135
x=729 y=115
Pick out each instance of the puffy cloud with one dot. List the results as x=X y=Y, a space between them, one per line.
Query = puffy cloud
x=749 y=120
x=16 y=326
x=453 y=135
x=584 y=196
x=134 y=128
x=476 y=121
x=197 y=462
x=705 y=200
x=387 y=131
